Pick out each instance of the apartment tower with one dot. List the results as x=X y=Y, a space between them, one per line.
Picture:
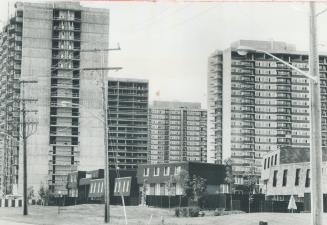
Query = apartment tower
x=257 y=104
x=46 y=42
x=128 y=122
x=177 y=132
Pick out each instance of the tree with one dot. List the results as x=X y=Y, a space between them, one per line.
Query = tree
x=181 y=179
x=169 y=184
x=229 y=179
x=144 y=192
x=195 y=188
x=30 y=192
x=250 y=182
x=44 y=194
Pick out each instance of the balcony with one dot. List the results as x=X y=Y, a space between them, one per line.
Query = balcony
x=64 y=86
x=66 y=18
x=58 y=134
x=56 y=95
x=66 y=28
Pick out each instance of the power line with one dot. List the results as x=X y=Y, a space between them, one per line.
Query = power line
x=154 y=22
x=193 y=17
x=129 y=35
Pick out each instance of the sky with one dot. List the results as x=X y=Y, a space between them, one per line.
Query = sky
x=168 y=42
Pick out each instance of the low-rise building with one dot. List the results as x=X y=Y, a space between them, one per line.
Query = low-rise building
x=165 y=179
x=86 y=187
x=286 y=172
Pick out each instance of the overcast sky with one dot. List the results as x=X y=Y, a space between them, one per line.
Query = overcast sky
x=169 y=42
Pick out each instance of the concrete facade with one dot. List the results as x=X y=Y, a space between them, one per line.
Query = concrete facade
x=127 y=122
x=258 y=105
x=53 y=37
x=177 y=132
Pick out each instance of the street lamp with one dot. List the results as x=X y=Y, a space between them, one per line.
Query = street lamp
x=315 y=143
x=244 y=50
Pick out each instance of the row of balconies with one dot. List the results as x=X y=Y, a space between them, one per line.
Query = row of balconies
x=69 y=56
x=71 y=95
x=60 y=134
x=72 y=18
x=65 y=86
x=131 y=87
x=66 y=36
x=61 y=27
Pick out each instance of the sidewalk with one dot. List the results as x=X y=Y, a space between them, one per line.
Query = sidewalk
x=6 y=222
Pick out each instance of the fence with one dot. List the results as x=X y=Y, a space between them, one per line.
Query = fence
x=239 y=202
x=11 y=202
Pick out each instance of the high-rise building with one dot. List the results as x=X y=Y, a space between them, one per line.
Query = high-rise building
x=177 y=132
x=128 y=122
x=258 y=105
x=45 y=42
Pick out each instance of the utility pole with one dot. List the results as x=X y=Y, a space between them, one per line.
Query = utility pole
x=105 y=123
x=25 y=134
x=315 y=153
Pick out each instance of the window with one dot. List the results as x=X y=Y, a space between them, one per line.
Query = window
x=157 y=189
x=268 y=162
x=307 y=178
x=272 y=160
x=156 y=171
x=275 y=178
x=284 y=178
x=127 y=186
x=276 y=159
x=177 y=170
x=166 y=171
x=146 y=172
x=265 y=164
x=297 y=177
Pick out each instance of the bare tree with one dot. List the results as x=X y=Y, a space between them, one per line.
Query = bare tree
x=182 y=179
x=195 y=188
x=169 y=184
x=44 y=194
x=229 y=179
x=250 y=182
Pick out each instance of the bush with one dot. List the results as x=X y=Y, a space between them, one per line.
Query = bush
x=219 y=212
x=187 y=212
x=184 y=212
x=177 y=212
x=194 y=211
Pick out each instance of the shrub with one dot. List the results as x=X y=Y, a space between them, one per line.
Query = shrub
x=184 y=212
x=201 y=213
x=177 y=212
x=187 y=212
x=194 y=211
x=219 y=212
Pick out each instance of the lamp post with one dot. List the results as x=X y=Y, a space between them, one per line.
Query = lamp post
x=315 y=109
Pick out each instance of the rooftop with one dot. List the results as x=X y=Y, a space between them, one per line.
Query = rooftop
x=128 y=80
x=176 y=105
x=270 y=46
